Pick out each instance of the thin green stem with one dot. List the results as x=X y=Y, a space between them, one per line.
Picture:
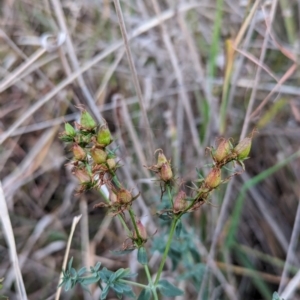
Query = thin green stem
x=170 y=195
x=147 y=271
x=165 y=255
x=133 y=283
x=132 y=217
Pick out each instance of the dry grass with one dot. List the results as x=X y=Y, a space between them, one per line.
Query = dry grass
x=179 y=90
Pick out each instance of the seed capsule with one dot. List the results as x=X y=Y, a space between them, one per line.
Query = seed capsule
x=166 y=173
x=161 y=159
x=124 y=196
x=213 y=179
x=180 y=203
x=222 y=151
x=82 y=175
x=78 y=152
x=243 y=148
x=99 y=156
x=104 y=136
x=87 y=121
x=70 y=130
x=111 y=163
x=141 y=229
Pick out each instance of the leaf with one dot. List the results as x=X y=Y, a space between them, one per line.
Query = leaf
x=118 y=288
x=70 y=263
x=145 y=295
x=120 y=272
x=276 y=296
x=130 y=294
x=142 y=256
x=105 y=292
x=68 y=284
x=90 y=280
x=97 y=266
x=168 y=289
x=81 y=271
x=178 y=229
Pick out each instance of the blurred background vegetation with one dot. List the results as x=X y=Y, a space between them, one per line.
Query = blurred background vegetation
x=206 y=69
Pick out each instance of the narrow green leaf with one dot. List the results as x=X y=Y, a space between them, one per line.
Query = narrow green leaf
x=130 y=294
x=118 y=288
x=142 y=256
x=81 y=271
x=105 y=292
x=145 y=295
x=70 y=263
x=168 y=289
x=90 y=280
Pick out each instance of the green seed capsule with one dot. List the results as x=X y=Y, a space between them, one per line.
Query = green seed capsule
x=87 y=121
x=104 y=136
x=243 y=148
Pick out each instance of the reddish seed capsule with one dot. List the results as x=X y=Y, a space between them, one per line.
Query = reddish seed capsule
x=213 y=179
x=222 y=151
x=141 y=229
x=82 y=175
x=79 y=153
x=124 y=196
x=179 y=202
x=166 y=173
x=99 y=156
x=243 y=148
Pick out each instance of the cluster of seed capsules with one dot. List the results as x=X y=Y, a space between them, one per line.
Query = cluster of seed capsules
x=222 y=155
x=93 y=164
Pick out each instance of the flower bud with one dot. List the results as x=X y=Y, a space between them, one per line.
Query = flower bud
x=104 y=137
x=124 y=196
x=82 y=175
x=243 y=148
x=111 y=163
x=141 y=229
x=180 y=203
x=99 y=156
x=161 y=159
x=166 y=173
x=79 y=153
x=223 y=150
x=213 y=179
x=86 y=121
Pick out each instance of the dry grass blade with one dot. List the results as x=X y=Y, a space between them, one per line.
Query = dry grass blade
x=74 y=224
x=110 y=49
x=9 y=235
x=135 y=79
